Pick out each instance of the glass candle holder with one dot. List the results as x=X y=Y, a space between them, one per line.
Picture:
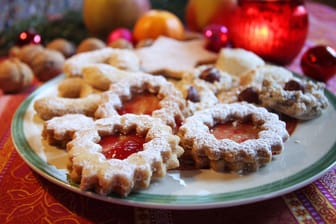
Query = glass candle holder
x=273 y=29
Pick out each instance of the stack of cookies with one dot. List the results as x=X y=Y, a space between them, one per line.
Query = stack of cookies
x=126 y=117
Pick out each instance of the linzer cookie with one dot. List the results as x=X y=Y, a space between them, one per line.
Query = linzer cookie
x=233 y=137
x=121 y=154
x=172 y=58
x=145 y=94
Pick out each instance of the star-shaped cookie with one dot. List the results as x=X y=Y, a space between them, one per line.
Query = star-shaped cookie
x=172 y=58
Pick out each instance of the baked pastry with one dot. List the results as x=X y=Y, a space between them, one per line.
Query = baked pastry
x=58 y=131
x=145 y=94
x=53 y=106
x=256 y=76
x=214 y=78
x=170 y=57
x=125 y=60
x=200 y=86
x=277 y=89
x=237 y=61
x=297 y=98
x=250 y=83
x=101 y=76
x=94 y=168
x=255 y=136
x=74 y=87
x=120 y=58
x=197 y=94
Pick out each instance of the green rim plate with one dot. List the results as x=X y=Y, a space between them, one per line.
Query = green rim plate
x=202 y=188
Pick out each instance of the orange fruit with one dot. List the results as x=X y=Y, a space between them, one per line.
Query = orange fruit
x=102 y=16
x=155 y=23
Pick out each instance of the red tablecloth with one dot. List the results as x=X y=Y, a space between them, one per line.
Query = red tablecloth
x=25 y=197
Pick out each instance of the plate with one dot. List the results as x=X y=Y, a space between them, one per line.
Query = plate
x=310 y=151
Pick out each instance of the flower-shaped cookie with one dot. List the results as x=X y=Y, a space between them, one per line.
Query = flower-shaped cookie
x=122 y=153
x=233 y=137
x=144 y=94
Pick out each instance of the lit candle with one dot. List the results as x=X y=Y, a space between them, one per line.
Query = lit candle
x=274 y=29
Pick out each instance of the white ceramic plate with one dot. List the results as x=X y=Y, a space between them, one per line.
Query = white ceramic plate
x=309 y=152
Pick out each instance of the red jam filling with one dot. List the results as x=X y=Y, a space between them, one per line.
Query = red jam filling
x=291 y=123
x=121 y=146
x=236 y=131
x=144 y=103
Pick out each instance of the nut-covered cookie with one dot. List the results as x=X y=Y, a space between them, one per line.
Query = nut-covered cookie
x=297 y=98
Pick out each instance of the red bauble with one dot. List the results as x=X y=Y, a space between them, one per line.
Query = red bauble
x=319 y=62
x=28 y=37
x=119 y=33
x=216 y=36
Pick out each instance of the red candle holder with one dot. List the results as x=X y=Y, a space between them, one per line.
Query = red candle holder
x=273 y=29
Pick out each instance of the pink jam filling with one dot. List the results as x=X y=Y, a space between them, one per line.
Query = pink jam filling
x=236 y=131
x=121 y=146
x=144 y=103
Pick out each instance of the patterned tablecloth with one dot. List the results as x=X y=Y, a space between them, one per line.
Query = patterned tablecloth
x=27 y=197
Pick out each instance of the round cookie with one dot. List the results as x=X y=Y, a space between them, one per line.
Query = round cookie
x=226 y=152
x=90 y=167
x=168 y=105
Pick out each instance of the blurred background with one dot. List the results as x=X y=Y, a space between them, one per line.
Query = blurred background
x=15 y=10
x=44 y=16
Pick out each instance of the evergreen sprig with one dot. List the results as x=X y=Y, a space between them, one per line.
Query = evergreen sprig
x=69 y=26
